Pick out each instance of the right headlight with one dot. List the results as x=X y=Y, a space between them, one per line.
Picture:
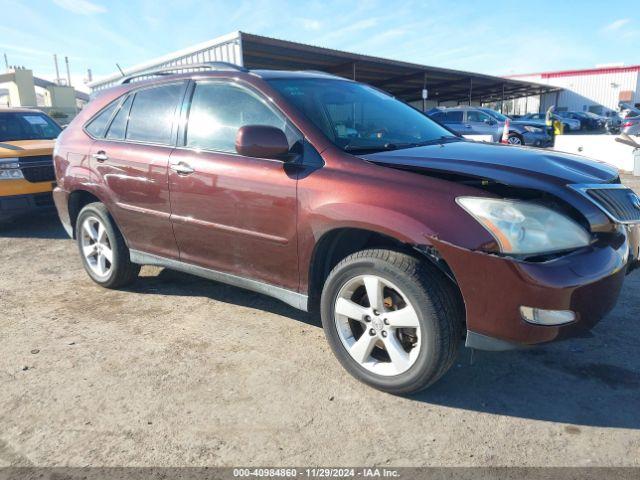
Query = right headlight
x=522 y=227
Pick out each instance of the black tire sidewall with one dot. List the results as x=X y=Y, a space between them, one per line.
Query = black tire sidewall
x=99 y=211
x=426 y=365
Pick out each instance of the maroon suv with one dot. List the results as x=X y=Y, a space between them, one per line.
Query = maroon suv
x=330 y=194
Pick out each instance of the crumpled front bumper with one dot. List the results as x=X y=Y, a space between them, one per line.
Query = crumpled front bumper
x=587 y=282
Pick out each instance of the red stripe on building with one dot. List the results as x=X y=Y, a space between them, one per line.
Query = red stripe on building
x=576 y=73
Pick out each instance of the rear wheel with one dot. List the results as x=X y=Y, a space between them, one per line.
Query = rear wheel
x=392 y=320
x=103 y=251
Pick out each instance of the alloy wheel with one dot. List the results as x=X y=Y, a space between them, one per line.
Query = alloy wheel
x=377 y=325
x=96 y=246
x=514 y=141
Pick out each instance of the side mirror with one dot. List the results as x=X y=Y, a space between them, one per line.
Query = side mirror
x=261 y=141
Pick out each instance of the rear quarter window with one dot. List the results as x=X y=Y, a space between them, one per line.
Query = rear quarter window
x=119 y=125
x=96 y=127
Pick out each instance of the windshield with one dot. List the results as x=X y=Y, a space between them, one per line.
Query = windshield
x=27 y=126
x=356 y=117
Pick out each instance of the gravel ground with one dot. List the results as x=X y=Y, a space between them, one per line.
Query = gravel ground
x=182 y=371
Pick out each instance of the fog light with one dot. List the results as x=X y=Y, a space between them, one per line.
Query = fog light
x=539 y=316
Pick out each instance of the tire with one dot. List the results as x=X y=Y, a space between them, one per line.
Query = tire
x=96 y=231
x=407 y=282
x=515 y=139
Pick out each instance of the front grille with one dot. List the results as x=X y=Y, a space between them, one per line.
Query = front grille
x=37 y=168
x=621 y=204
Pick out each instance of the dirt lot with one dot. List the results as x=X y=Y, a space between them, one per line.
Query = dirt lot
x=182 y=371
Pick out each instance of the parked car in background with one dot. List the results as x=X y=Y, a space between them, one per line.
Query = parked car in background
x=631 y=126
x=600 y=120
x=523 y=132
x=466 y=120
x=628 y=111
x=569 y=124
x=26 y=166
x=333 y=196
x=586 y=122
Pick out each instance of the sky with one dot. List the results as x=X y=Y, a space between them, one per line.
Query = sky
x=510 y=37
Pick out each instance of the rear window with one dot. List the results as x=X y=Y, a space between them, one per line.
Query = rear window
x=153 y=112
x=27 y=126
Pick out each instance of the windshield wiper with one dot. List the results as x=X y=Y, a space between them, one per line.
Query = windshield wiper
x=435 y=141
x=372 y=148
x=398 y=146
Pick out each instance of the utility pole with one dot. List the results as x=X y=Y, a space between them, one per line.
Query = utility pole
x=66 y=61
x=55 y=61
x=425 y=92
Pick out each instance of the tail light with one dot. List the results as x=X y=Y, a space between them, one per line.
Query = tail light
x=627 y=124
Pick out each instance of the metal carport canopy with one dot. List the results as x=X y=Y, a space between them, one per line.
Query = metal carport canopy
x=402 y=79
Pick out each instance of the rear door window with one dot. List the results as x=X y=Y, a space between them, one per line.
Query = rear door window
x=453 y=117
x=153 y=114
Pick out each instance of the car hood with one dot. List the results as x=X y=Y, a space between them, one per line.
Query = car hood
x=24 y=148
x=517 y=166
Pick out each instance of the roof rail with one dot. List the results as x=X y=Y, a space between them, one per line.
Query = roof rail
x=213 y=66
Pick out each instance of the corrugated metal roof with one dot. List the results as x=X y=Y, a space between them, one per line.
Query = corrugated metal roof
x=402 y=79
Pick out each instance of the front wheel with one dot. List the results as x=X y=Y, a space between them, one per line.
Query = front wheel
x=515 y=139
x=392 y=320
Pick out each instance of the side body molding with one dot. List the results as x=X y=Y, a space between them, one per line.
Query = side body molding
x=295 y=299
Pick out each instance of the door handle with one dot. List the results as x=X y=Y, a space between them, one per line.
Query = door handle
x=100 y=156
x=182 y=168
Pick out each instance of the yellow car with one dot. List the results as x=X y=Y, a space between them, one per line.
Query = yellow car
x=27 y=178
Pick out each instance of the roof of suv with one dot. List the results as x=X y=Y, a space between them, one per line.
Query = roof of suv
x=217 y=68
x=295 y=74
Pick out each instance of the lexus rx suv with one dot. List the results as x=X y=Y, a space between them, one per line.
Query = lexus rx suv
x=333 y=196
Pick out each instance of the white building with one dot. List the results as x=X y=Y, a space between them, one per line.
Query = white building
x=598 y=90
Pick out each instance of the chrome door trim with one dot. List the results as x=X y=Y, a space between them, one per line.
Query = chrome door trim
x=295 y=299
